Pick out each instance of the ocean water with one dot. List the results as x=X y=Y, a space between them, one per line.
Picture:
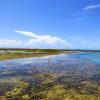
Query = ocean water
x=61 y=60
x=92 y=56
x=85 y=65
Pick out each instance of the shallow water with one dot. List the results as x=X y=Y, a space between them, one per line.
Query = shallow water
x=51 y=61
x=93 y=56
x=86 y=64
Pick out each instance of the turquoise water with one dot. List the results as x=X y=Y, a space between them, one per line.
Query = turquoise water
x=92 y=56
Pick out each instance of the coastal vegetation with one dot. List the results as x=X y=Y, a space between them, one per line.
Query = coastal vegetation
x=47 y=86
x=26 y=53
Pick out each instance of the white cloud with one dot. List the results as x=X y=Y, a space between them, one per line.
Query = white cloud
x=45 y=40
x=9 y=43
x=29 y=34
x=92 y=7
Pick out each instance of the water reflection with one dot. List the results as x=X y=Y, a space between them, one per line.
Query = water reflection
x=66 y=63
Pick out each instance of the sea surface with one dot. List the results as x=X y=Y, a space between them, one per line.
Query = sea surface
x=86 y=64
x=93 y=56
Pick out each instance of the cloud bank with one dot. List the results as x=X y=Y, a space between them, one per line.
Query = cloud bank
x=45 y=41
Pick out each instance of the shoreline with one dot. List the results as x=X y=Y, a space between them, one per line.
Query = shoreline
x=26 y=54
x=12 y=53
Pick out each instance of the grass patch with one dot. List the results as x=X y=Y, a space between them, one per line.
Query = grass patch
x=27 y=53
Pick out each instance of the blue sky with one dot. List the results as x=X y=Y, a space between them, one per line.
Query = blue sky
x=70 y=24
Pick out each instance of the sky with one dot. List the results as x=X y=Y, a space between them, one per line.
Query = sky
x=61 y=24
